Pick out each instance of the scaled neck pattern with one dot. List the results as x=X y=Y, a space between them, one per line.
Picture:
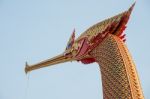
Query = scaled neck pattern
x=119 y=76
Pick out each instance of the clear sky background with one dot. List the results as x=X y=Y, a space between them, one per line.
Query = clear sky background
x=34 y=30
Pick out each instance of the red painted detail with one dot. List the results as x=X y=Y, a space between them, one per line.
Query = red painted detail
x=113 y=27
x=83 y=48
x=124 y=40
x=99 y=38
x=122 y=27
x=88 y=60
x=122 y=36
x=121 y=30
x=122 y=24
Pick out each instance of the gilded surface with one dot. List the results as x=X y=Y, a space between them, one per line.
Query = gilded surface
x=119 y=76
x=101 y=26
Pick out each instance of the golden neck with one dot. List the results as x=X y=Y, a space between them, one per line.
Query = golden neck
x=119 y=76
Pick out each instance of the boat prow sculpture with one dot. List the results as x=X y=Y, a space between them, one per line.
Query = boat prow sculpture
x=104 y=43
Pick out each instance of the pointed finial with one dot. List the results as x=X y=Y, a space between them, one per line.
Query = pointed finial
x=131 y=8
x=26 y=68
x=73 y=34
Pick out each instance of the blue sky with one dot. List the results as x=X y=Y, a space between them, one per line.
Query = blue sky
x=34 y=30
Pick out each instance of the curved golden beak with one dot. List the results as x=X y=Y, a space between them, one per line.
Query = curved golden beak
x=55 y=60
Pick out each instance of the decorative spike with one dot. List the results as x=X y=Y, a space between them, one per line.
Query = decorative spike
x=131 y=8
x=124 y=40
x=121 y=30
x=73 y=35
x=71 y=40
x=123 y=36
